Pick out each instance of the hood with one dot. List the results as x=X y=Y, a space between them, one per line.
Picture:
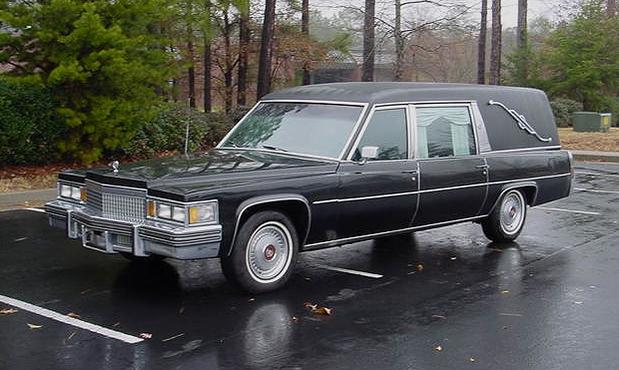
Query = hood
x=214 y=169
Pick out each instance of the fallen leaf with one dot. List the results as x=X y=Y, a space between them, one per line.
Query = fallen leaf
x=316 y=309
x=439 y=317
x=453 y=258
x=578 y=302
x=8 y=311
x=33 y=326
x=472 y=359
x=73 y=315
x=252 y=299
x=438 y=348
x=322 y=311
x=295 y=319
x=145 y=335
x=420 y=267
x=309 y=305
x=116 y=324
x=504 y=291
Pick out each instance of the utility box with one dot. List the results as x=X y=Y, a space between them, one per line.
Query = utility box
x=591 y=121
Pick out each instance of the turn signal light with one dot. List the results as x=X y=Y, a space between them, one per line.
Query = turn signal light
x=151 y=209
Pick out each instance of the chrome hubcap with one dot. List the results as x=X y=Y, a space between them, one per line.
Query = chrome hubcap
x=512 y=212
x=268 y=252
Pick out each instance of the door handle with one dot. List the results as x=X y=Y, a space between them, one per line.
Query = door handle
x=412 y=172
x=483 y=166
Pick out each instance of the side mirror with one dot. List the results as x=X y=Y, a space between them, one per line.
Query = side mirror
x=368 y=152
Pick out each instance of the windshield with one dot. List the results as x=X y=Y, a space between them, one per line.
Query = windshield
x=306 y=128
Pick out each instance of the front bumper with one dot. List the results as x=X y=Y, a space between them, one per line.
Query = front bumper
x=140 y=239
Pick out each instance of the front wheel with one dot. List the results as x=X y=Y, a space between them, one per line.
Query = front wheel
x=507 y=219
x=264 y=253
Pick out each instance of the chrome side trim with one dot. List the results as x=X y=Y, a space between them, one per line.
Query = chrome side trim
x=353 y=239
x=325 y=201
x=541 y=148
x=265 y=200
x=522 y=121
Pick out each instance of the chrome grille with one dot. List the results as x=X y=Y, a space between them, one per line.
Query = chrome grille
x=118 y=203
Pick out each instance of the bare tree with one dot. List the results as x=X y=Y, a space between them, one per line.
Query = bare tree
x=522 y=25
x=367 y=73
x=266 y=50
x=481 y=45
x=399 y=42
x=495 y=52
x=244 y=40
x=305 y=31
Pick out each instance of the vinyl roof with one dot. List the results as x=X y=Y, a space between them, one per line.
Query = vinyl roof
x=386 y=92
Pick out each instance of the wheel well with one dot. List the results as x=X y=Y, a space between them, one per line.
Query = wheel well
x=296 y=210
x=530 y=193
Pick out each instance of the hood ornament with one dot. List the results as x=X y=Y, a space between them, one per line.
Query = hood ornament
x=115 y=165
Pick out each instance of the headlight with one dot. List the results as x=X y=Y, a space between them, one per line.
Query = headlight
x=178 y=214
x=196 y=213
x=164 y=211
x=206 y=212
x=72 y=192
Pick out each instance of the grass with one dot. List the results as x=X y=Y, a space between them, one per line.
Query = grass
x=598 y=141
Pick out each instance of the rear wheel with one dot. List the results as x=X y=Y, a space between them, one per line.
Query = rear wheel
x=264 y=253
x=507 y=219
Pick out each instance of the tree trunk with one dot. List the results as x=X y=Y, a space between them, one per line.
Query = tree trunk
x=399 y=42
x=367 y=73
x=305 y=31
x=266 y=48
x=229 y=68
x=244 y=39
x=495 y=53
x=207 y=102
x=481 y=46
x=611 y=8
x=191 y=74
x=521 y=30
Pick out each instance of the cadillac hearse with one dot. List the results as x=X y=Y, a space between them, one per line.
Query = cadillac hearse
x=324 y=165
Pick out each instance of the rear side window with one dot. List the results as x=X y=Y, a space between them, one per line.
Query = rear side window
x=387 y=131
x=444 y=132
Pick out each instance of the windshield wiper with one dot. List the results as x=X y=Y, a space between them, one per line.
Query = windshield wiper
x=272 y=147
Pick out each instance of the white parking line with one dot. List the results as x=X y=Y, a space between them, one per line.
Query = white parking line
x=69 y=320
x=597 y=191
x=40 y=210
x=353 y=272
x=568 y=210
x=596 y=174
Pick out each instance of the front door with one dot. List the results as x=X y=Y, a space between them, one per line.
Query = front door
x=380 y=194
x=453 y=177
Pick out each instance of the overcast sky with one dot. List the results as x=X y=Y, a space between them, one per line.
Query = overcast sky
x=509 y=11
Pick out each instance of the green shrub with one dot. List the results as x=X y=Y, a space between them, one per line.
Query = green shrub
x=166 y=132
x=563 y=108
x=29 y=125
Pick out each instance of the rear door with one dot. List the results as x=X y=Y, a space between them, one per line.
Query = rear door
x=453 y=176
x=381 y=194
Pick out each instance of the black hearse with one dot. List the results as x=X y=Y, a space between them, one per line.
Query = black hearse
x=324 y=165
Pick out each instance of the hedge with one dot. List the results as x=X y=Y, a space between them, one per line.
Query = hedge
x=29 y=125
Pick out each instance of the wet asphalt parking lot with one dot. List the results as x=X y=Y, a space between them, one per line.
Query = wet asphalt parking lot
x=442 y=299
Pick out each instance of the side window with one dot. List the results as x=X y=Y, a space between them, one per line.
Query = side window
x=444 y=132
x=387 y=131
